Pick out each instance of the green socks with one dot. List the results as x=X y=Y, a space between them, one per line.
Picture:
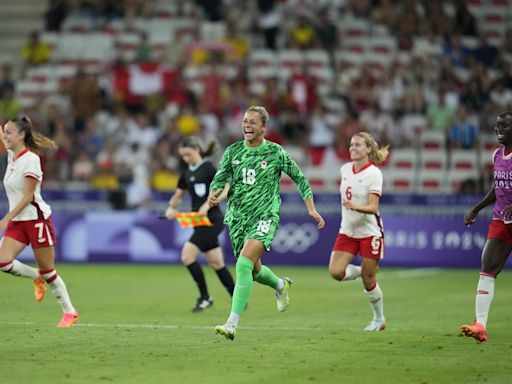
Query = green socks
x=266 y=277
x=243 y=286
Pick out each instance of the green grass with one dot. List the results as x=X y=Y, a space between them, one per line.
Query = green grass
x=136 y=327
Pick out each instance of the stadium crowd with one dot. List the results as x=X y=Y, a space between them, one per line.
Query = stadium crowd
x=314 y=64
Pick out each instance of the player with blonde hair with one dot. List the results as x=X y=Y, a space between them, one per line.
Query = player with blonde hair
x=361 y=231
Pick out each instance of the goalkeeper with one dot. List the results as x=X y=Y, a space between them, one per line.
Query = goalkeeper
x=253 y=168
x=196 y=181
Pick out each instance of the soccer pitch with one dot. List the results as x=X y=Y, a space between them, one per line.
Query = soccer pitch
x=136 y=327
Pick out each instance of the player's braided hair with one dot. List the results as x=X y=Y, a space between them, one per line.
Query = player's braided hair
x=193 y=142
x=377 y=154
x=33 y=140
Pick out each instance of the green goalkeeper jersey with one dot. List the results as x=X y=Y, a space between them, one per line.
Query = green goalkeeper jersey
x=254 y=176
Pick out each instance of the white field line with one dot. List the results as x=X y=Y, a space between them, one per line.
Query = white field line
x=175 y=326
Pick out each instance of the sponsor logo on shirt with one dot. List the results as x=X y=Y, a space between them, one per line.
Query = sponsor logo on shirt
x=235 y=162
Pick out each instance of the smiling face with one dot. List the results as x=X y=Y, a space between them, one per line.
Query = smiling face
x=503 y=129
x=359 y=151
x=191 y=156
x=13 y=138
x=253 y=128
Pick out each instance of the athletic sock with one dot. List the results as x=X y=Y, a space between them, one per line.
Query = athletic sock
x=352 y=272
x=484 y=296
x=196 y=271
x=243 y=286
x=233 y=318
x=266 y=277
x=226 y=279
x=17 y=268
x=376 y=302
x=59 y=290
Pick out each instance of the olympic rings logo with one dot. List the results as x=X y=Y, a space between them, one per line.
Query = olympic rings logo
x=296 y=238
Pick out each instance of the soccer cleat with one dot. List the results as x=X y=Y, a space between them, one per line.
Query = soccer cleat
x=477 y=331
x=202 y=304
x=376 y=326
x=227 y=330
x=39 y=288
x=282 y=298
x=68 y=319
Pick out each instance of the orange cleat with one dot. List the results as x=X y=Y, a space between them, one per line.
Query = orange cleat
x=39 y=288
x=477 y=331
x=68 y=319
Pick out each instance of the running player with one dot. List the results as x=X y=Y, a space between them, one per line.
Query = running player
x=28 y=220
x=361 y=230
x=253 y=168
x=196 y=181
x=499 y=237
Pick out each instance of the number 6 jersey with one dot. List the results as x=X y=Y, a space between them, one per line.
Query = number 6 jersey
x=357 y=187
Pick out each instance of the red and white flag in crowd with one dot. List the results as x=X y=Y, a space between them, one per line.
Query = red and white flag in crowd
x=138 y=80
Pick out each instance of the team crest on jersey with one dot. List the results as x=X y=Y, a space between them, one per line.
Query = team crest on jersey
x=263 y=164
x=200 y=189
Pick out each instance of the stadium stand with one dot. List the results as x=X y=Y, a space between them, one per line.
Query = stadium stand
x=174 y=71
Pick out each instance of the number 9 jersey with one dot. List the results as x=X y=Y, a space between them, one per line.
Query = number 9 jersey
x=357 y=187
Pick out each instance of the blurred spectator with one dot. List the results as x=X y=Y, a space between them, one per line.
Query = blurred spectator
x=454 y=49
x=327 y=32
x=501 y=96
x=144 y=51
x=397 y=133
x=269 y=20
x=485 y=53
x=463 y=132
x=35 y=51
x=83 y=168
x=9 y=106
x=105 y=179
x=6 y=78
x=408 y=25
x=293 y=127
x=439 y=114
x=187 y=122
x=437 y=20
x=302 y=35
x=349 y=126
x=55 y=15
x=385 y=14
x=85 y=97
x=320 y=135
x=164 y=179
x=464 y=21
x=376 y=122
x=212 y=9
x=303 y=91
x=473 y=97
x=238 y=43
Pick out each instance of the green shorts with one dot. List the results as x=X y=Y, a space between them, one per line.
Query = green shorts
x=263 y=230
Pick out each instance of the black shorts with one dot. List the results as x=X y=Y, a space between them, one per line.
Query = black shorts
x=207 y=238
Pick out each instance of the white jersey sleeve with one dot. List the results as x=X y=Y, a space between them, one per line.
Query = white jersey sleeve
x=357 y=187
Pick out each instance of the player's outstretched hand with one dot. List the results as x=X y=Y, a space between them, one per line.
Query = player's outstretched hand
x=319 y=219
x=469 y=218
